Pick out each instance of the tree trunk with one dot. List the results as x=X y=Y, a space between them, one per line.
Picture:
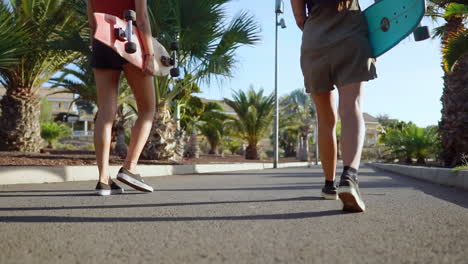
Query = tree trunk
x=161 y=143
x=303 y=150
x=121 y=148
x=193 y=150
x=251 y=153
x=454 y=123
x=20 y=128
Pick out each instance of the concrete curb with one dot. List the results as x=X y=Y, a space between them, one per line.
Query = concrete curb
x=442 y=176
x=45 y=174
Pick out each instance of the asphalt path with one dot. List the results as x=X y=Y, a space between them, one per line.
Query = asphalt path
x=269 y=216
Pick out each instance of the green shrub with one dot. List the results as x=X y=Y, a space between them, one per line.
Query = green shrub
x=234 y=146
x=411 y=142
x=51 y=132
x=46 y=111
x=66 y=146
x=370 y=154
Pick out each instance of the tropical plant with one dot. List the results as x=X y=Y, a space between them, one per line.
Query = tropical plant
x=46 y=111
x=206 y=118
x=233 y=145
x=165 y=140
x=215 y=126
x=10 y=47
x=51 y=132
x=208 y=45
x=298 y=114
x=254 y=116
x=42 y=19
x=453 y=34
x=411 y=142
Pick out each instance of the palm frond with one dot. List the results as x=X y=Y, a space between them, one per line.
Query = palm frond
x=455 y=9
x=456 y=48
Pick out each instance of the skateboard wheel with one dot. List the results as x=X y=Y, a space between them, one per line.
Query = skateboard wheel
x=175 y=46
x=130 y=47
x=421 y=33
x=175 y=72
x=130 y=15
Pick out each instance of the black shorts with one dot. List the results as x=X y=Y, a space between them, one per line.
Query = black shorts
x=104 y=57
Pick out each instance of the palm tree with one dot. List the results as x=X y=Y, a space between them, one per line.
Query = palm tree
x=454 y=37
x=42 y=19
x=207 y=50
x=165 y=140
x=214 y=125
x=206 y=118
x=298 y=113
x=10 y=48
x=254 y=116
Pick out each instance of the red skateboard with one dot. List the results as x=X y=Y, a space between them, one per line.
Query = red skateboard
x=125 y=39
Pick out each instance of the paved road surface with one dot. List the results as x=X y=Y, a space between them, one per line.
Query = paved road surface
x=271 y=216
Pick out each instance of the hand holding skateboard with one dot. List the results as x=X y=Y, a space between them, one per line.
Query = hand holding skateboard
x=126 y=39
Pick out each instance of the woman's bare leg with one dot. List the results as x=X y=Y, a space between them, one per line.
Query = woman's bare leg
x=326 y=112
x=352 y=124
x=143 y=88
x=107 y=82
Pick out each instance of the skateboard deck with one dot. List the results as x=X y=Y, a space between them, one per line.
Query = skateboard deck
x=105 y=33
x=390 y=21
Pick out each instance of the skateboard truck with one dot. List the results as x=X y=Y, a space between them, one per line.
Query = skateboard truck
x=421 y=33
x=130 y=17
x=172 y=60
x=175 y=71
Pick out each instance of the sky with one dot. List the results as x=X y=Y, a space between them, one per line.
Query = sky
x=408 y=87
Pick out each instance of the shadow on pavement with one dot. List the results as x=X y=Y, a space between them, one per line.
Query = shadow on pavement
x=90 y=193
x=45 y=191
x=74 y=219
x=305 y=198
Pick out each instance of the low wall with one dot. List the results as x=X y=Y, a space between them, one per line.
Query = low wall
x=447 y=177
x=46 y=174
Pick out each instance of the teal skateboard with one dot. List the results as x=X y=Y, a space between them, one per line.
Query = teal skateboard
x=390 y=21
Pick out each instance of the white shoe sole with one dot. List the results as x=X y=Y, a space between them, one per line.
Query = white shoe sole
x=351 y=200
x=103 y=192
x=329 y=196
x=140 y=186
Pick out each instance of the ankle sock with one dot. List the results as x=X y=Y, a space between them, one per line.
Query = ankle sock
x=329 y=183
x=349 y=172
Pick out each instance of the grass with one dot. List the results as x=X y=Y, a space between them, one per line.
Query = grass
x=460 y=168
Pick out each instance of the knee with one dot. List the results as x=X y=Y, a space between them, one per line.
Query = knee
x=347 y=111
x=107 y=115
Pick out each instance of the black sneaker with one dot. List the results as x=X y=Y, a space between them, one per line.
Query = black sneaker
x=116 y=189
x=349 y=194
x=133 y=180
x=329 y=192
x=103 y=189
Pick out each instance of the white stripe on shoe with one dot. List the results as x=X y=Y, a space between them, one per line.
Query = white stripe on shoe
x=134 y=183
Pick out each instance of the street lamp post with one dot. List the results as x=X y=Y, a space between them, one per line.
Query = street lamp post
x=279 y=9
